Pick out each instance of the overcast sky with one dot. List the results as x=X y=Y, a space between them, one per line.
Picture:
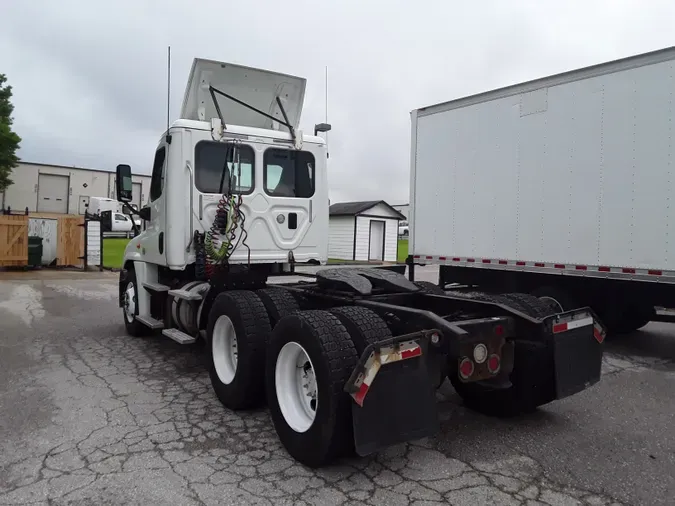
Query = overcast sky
x=89 y=76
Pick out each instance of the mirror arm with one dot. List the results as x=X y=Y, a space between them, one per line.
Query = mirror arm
x=132 y=211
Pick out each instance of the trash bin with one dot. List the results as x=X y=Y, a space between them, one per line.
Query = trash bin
x=34 y=251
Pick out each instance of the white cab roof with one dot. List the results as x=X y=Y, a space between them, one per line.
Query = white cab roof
x=256 y=87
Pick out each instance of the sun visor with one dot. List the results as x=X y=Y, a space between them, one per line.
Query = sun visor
x=255 y=87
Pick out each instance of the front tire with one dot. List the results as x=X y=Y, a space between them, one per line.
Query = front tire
x=309 y=360
x=237 y=334
x=129 y=304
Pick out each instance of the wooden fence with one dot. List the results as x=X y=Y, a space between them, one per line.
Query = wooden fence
x=13 y=241
x=70 y=247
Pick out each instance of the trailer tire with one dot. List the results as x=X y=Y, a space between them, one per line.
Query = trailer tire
x=133 y=326
x=430 y=288
x=278 y=303
x=625 y=319
x=311 y=439
x=365 y=327
x=237 y=334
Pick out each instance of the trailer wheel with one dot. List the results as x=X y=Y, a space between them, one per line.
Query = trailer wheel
x=278 y=303
x=364 y=326
x=130 y=298
x=237 y=333
x=309 y=359
x=430 y=288
x=624 y=319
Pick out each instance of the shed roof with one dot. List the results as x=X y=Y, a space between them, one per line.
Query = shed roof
x=354 y=208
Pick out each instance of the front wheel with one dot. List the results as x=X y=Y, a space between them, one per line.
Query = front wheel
x=129 y=307
x=310 y=358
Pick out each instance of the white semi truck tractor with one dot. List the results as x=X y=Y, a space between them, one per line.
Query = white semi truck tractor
x=349 y=359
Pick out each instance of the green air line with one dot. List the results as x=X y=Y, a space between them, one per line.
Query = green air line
x=220 y=253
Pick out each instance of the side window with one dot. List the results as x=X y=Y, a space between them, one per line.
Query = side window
x=288 y=173
x=157 y=180
x=213 y=174
x=120 y=217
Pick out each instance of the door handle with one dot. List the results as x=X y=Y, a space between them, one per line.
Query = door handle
x=292 y=221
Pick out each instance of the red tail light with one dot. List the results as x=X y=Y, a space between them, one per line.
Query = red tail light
x=494 y=363
x=465 y=368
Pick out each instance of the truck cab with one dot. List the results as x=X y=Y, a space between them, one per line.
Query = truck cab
x=237 y=145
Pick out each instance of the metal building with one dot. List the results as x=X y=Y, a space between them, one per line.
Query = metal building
x=60 y=189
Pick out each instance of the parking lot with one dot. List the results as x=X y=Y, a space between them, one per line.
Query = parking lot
x=92 y=416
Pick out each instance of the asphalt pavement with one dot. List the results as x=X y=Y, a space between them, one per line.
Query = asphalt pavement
x=91 y=416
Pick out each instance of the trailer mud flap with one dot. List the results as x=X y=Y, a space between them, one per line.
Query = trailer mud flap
x=394 y=396
x=577 y=350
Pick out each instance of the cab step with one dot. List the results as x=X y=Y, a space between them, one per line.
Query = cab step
x=185 y=295
x=179 y=336
x=156 y=287
x=150 y=322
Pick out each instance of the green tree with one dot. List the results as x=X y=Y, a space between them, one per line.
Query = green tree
x=9 y=141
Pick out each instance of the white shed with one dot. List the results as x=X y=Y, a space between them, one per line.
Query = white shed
x=365 y=231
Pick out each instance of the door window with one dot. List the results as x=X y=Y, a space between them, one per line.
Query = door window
x=288 y=173
x=157 y=181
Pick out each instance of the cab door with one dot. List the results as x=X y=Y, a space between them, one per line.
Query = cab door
x=153 y=242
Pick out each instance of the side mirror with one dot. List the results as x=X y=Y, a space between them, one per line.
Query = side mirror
x=123 y=183
x=144 y=213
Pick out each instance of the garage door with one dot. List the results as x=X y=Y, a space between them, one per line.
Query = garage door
x=136 y=190
x=53 y=193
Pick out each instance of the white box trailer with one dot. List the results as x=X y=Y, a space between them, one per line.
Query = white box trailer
x=560 y=186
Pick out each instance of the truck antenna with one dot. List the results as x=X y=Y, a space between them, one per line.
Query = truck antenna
x=326 y=100
x=168 y=89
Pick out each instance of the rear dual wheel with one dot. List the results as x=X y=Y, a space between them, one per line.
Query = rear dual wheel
x=309 y=360
x=237 y=333
x=302 y=366
x=311 y=356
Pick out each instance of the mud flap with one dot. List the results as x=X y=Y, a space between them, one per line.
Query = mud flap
x=397 y=403
x=577 y=350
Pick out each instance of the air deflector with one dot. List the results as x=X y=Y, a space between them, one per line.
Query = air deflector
x=260 y=89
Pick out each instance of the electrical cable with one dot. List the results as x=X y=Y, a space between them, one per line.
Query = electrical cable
x=228 y=218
